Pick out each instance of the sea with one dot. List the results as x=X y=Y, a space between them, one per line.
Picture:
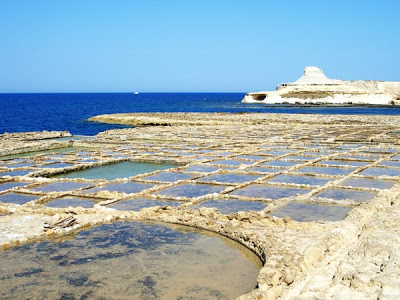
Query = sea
x=70 y=111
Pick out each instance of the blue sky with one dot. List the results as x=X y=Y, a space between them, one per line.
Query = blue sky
x=199 y=46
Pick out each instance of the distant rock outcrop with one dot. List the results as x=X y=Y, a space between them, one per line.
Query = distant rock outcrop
x=315 y=88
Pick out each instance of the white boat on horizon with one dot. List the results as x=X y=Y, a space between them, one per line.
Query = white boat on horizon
x=136 y=93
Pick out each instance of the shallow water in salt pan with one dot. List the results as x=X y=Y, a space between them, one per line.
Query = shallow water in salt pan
x=192 y=190
x=10 y=185
x=168 y=177
x=201 y=169
x=299 y=157
x=311 y=180
x=125 y=187
x=229 y=178
x=351 y=163
x=17 y=198
x=268 y=191
x=325 y=170
x=139 y=203
x=16 y=173
x=312 y=212
x=117 y=170
x=130 y=260
x=280 y=163
x=233 y=206
x=21 y=165
x=72 y=201
x=232 y=162
x=342 y=194
x=377 y=171
x=57 y=165
x=264 y=170
x=60 y=187
x=252 y=157
x=391 y=163
x=368 y=183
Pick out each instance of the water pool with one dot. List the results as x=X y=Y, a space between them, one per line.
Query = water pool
x=131 y=260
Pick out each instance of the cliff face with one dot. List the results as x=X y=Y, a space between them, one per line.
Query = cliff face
x=315 y=88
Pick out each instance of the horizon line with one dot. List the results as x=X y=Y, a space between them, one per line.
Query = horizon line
x=123 y=93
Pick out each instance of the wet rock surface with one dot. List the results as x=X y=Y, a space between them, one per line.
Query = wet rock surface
x=285 y=162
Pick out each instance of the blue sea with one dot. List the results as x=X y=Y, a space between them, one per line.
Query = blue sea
x=36 y=112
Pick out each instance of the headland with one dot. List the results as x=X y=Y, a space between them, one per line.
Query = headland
x=314 y=88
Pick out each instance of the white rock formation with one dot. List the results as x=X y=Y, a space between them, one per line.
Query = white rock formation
x=315 y=88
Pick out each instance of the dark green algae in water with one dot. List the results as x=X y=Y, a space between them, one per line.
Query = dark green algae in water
x=130 y=260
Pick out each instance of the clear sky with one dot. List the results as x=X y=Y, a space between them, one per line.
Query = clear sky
x=199 y=46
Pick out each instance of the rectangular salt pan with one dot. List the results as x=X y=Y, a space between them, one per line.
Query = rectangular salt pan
x=368 y=183
x=344 y=163
x=21 y=165
x=16 y=173
x=168 y=177
x=268 y=191
x=72 y=201
x=57 y=166
x=233 y=206
x=201 y=169
x=231 y=162
x=191 y=190
x=252 y=157
x=342 y=194
x=280 y=163
x=360 y=157
x=127 y=188
x=376 y=171
x=229 y=178
x=311 y=180
x=204 y=158
x=312 y=212
x=298 y=157
x=60 y=187
x=379 y=150
x=391 y=163
x=17 y=198
x=315 y=154
x=276 y=153
x=10 y=185
x=264 y=170
x=138 y=204
x=325 y=170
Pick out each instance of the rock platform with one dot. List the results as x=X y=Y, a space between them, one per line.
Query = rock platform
x=329 y=186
